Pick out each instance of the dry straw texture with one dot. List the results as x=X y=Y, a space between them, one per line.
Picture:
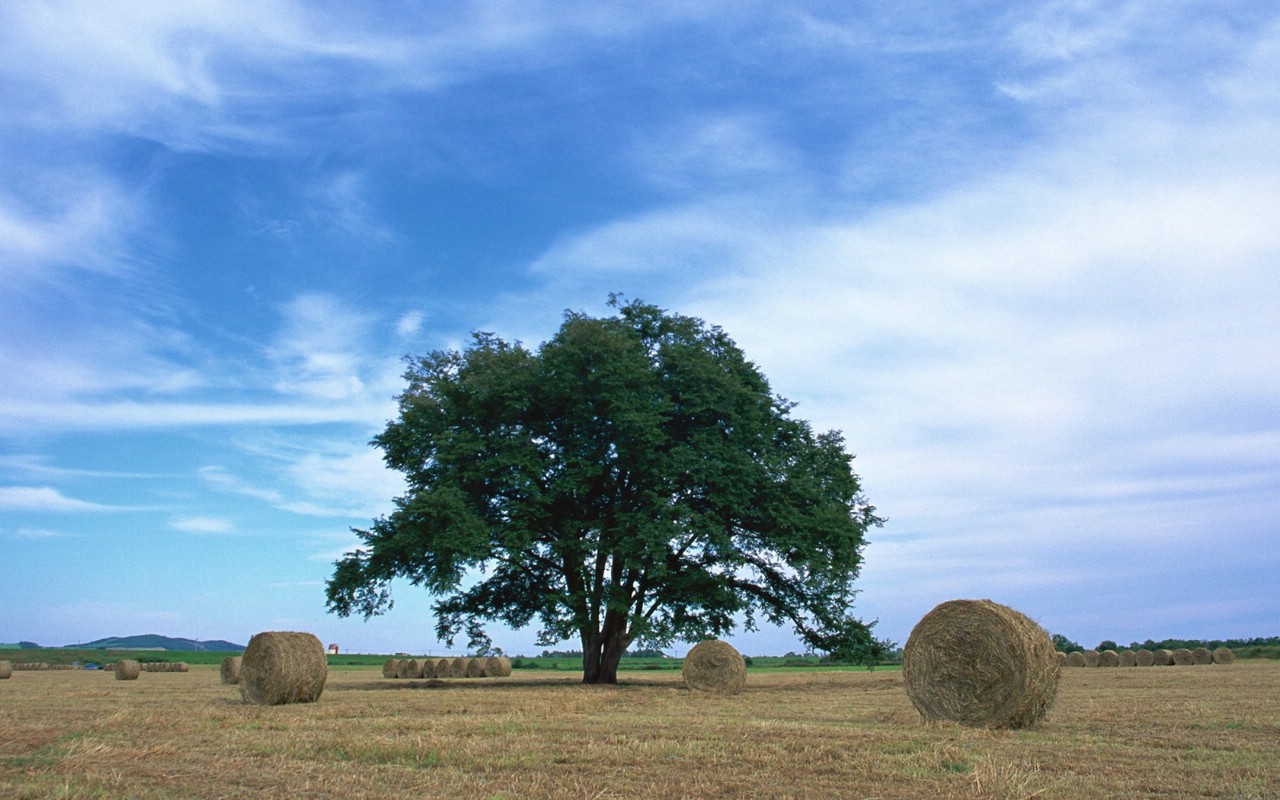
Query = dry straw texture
x=980 y=664
x=497 y=667
x=414 y=669
x=1145 y=658
x=127 y=669
x=389 y=668
x=6 y=669
x=1223 y=655
x=475 y=667
x=442 y=667
x=1202 y=655
x=281 y=667
x=429 y=668
x=1075 y=659
x=1062 y=658
x=231 y=670
x=1092 y=658
x=1128 y=658
x=715 y=666
x=1108 y=658
x=1183 y=657
x=1163 y=657
x=457 y=667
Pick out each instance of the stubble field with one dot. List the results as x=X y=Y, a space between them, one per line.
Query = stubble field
x=1209 y=731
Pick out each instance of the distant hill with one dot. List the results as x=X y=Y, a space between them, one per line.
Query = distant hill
x=153 y=641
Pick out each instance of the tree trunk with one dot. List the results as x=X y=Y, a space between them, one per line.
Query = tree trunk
x=602 y=651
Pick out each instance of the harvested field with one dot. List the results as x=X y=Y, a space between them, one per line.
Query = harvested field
x=797 y=734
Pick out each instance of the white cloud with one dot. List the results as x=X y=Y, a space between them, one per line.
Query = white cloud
x=319 y=349
x=46 y=499
x=202 y=525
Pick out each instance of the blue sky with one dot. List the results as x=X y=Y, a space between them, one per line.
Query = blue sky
x=1025 y=255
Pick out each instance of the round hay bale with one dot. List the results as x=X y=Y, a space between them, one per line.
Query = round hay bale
x=1128 y=658
x=1162 y=657
x=1092 y=658
x=231 y=670
x=417 y=668
x=127 y=669
x=442 y=667
x=1223 y=655
x=457 y=668
x=1108 y=658
x=1075 y=659
x=181 y=666
x=475 y=667
x=1183 y=657
x=1061 y=657
x=281 y=667
x=389 y=668
x=497 y=667
x=980 y=664
x=715 y=666
x=1145 y=658
x=6 y=669
x=1202 y=656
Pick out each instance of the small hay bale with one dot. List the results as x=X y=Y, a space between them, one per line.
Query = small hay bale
x=980 y=664
x=6 y=669
x=1091 y=658
x=281 y=667
x=1145 y=658
x=389 y=668
x=1202 y=655
x=1061 y=657
x=457 y=667
x=182 y=666
x=1108 y=658
x=231 y=670
x=1223 y=655
x=428 y=668
x=415 y=668
x=1128 y=658
x=497 y=667
x=1075 y=659
x=715 y=666
x=442 y=667
x=1162 y=657
x=475 y=667
x=1183 y=657
x=127 y=669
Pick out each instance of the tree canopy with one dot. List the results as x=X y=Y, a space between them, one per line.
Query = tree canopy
x=634 y=479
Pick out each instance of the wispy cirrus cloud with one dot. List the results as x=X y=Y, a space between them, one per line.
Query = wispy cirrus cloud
x=47 y=499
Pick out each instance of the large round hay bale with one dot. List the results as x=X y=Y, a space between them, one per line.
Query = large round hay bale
x=412 y=669
x=1128 y=658
x=1075 y=659
x=475 y=667
x=980 y=664
x=389 y=668
x=497 y=667
x=182 y=666
x=127 y=669
x=281 y=667
x=1162 y=657
x=1092 y=658
x=715 y=666
x=442 y=667
x=1183 y=657
x=231 y=670
x=458 y=667
x=1202 y=655
x=1223 y=655
x=1145 y=658
x=1108 y=658
x=6 y=669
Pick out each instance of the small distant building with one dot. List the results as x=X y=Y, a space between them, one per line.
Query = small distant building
x=333 y=649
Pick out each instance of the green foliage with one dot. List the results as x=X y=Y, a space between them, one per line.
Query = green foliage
x=634 y=479
x=1065 y=645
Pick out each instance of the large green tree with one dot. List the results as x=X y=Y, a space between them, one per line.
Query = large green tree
x=633 y=479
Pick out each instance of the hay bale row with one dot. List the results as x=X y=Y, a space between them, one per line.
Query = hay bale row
x=1147 y=658
x=165 y=666
x=280 y=667
x=230 y=670
x=30 y=666
x=715 y=666
x=980 y=664
x=460 y=667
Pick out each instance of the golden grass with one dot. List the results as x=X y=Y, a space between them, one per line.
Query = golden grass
x=787 y=735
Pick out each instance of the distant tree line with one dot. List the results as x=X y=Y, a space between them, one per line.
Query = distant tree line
x=1064 y=644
